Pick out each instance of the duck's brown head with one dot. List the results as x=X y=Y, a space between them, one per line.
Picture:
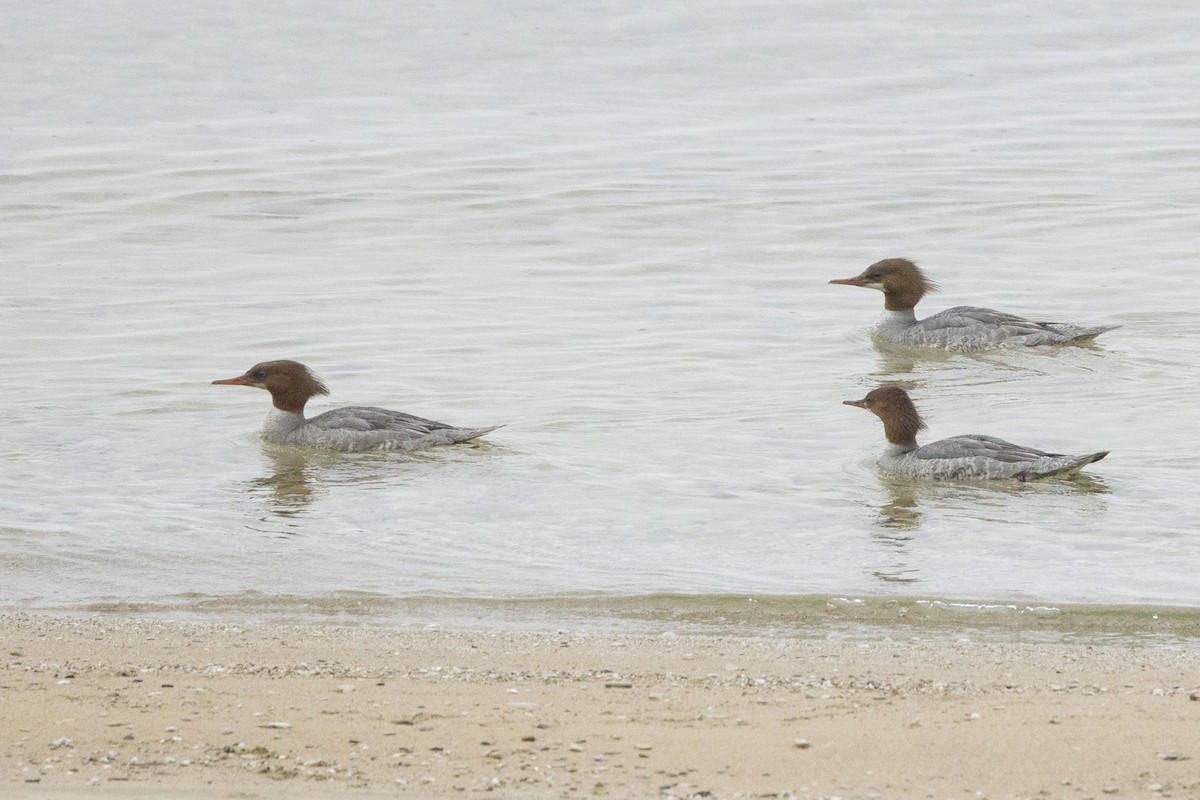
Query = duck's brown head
x=289 y=382
x=900 y=418
x=902 y=282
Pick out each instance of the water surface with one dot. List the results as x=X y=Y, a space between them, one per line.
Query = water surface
x=609 y=229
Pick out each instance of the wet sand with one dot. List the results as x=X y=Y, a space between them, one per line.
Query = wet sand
x=112 y=707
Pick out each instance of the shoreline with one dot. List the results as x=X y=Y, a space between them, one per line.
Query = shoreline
x=113 y=706
x=805 y=616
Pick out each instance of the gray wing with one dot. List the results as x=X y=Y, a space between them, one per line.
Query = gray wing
x=964 y=317
x=359 y=428
x=367 y=419
x=1002 y=326
x=979 y=446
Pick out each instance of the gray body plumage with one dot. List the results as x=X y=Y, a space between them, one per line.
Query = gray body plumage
x=357 y=429
x=974 y=456
x=972 y=328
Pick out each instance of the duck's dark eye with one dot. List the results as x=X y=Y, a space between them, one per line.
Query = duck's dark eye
x=258 y=374
x=874 y=277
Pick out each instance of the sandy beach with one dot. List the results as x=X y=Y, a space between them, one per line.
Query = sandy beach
x=111 y=707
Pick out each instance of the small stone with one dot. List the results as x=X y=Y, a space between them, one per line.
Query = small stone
x=1172 y=755
x=802 y=744
x=576 y=747
x=618 y=685
x=280 y=725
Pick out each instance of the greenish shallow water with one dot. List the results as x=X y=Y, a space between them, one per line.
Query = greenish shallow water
x=766 y=616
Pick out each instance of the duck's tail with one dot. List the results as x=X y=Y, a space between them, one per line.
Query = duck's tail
x=1078 y=333
x=1067 y=469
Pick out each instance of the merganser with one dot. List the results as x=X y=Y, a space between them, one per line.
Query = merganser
x=960 y=328
x=352 y=429
x=959 y=457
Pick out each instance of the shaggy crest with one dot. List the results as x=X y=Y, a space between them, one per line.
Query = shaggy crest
x=289 y=382
x=902 y=281
x=901 y=421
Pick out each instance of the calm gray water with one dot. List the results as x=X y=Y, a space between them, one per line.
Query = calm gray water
x=608 y=227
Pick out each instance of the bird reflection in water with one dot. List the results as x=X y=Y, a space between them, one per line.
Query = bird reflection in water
x=287 y=483
x=901 y=516
x=901 y=512
x=898 y=518
x=297 y=476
